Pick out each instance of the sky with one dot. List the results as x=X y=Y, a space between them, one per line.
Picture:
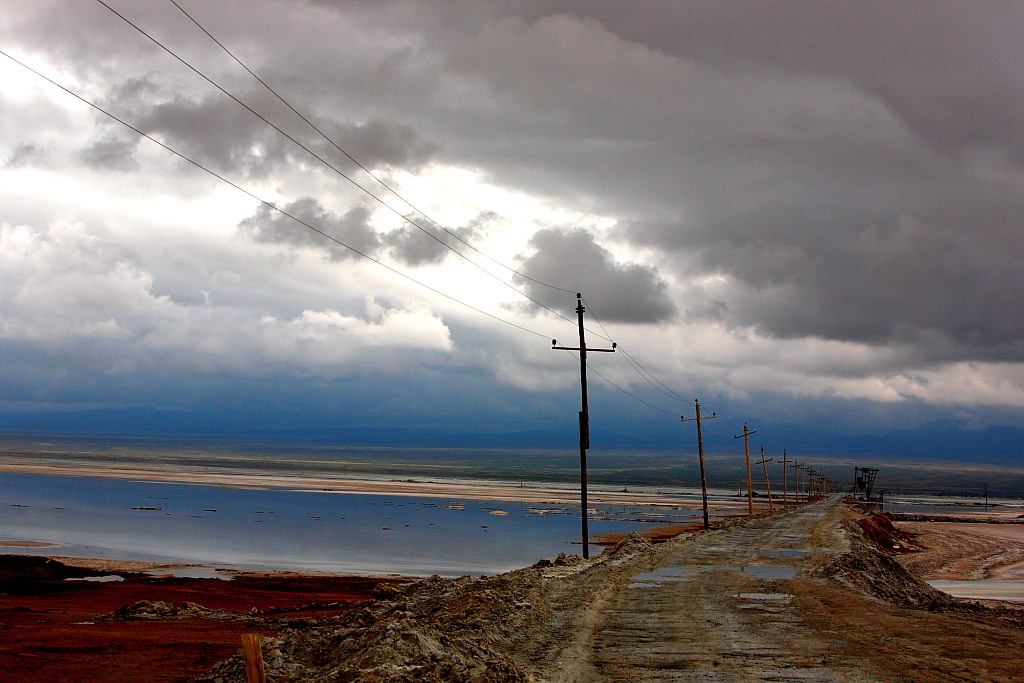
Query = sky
x=803 y=213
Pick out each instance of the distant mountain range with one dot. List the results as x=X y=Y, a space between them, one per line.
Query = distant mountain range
x=944 y=440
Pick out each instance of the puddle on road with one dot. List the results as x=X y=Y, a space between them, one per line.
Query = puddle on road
x=764 y=601
x=665 y=574
x=770 y=572
x=784 y=553
x=765 y=596
x=654 y=578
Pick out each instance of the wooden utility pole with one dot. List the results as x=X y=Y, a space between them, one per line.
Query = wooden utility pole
x=584 y=416
x=796 y=481
x=767 y=484
x=750 y=482
x=700 y=452
x=785 y=484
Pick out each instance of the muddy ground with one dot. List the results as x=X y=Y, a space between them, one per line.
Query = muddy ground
x=56 y=627
x=814 y=594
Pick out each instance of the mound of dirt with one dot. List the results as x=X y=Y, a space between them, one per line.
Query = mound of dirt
x=159 y=609
x=871 y=566
x=434 y=630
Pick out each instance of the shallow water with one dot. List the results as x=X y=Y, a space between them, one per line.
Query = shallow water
x=281 y=529
x=938 y=505
x=983 y=589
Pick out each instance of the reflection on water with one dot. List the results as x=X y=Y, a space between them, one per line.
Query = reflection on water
x=280 y=529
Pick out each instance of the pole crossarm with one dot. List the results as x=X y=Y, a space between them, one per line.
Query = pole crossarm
x=576 y=348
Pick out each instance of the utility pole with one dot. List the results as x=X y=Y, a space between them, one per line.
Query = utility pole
x=767 y=484
x=785 y=484
x=584 y=416
x=700 y=452
x=796 y=480
x=750 y=482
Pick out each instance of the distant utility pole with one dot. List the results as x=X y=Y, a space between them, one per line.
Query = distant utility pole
x=584 y=416
x=750 y=482
x=796 y=480
x=700 y=451
x=767 y=484
x=785 y=484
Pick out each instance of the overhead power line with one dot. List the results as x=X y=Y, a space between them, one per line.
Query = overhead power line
x=268 y=204
x=328 y=164
x=355 y=161
x=645 y=374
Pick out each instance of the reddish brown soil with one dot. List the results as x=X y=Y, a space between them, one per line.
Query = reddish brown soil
x=656 y=534
x=50 y=628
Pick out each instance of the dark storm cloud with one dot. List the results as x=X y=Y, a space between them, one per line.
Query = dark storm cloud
x=850 y=172
x=29 y=154
x=272 y=227
x=932 y=260
x=113 y=151
x=422 y=242
x=223 y=135
x=627 y=292
x=378 y=144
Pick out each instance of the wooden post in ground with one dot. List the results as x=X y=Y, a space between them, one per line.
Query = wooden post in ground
x=254 y=671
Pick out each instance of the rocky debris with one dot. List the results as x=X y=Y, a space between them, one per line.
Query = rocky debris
x=497 y=629
x=562 y=560
x=158 y=609
x=879 y=528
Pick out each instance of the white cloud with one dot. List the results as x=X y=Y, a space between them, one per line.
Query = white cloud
x=331 y=338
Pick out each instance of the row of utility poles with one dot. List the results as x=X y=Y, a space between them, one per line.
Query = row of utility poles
x=815 y=487
x=817 y=484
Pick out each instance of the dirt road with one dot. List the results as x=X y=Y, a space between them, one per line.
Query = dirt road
x=718 y=607
x=753 y=603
